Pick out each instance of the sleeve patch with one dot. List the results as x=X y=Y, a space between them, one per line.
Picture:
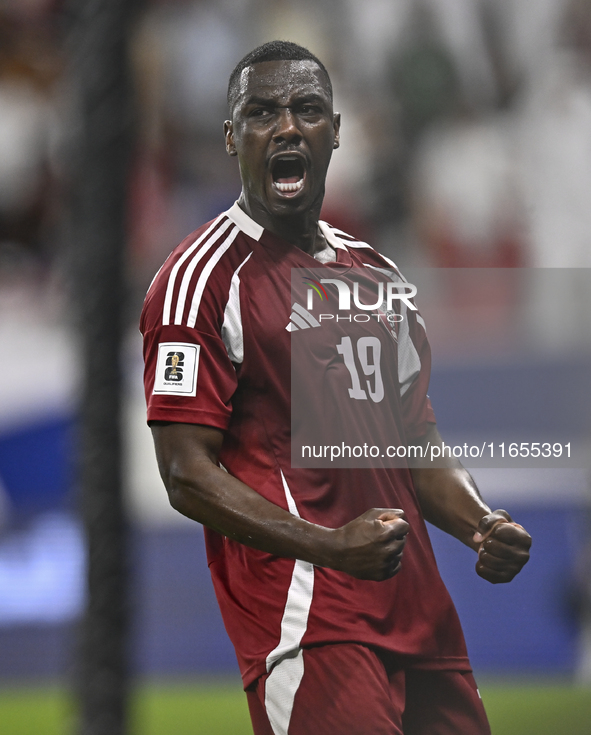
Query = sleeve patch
x=176 y=369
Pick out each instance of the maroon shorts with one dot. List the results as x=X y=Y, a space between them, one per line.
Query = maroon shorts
x=349 y=689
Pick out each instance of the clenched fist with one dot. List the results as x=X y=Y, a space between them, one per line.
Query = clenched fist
x=370 y=546
x=503 y=547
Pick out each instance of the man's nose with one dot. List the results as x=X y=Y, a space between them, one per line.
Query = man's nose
x=286 y=128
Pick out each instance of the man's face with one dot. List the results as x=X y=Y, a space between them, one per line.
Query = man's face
x=283 y=131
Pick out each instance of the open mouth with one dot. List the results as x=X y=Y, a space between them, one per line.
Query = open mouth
x=288 y=174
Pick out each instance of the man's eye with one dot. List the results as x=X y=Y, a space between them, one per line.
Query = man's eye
x=259 y=112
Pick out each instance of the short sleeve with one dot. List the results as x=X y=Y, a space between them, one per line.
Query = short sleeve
x=414 y=372
x=188 y=376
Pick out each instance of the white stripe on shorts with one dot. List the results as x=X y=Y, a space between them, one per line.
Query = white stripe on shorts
x=286 y=661
x=280 y=690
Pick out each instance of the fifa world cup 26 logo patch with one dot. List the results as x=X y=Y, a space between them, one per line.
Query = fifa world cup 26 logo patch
x=175 y=362
x=176 y=369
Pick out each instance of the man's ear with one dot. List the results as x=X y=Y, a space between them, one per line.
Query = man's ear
x=337 y=129
x=229 y=136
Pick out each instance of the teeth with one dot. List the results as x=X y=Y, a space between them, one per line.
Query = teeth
x=290 y=187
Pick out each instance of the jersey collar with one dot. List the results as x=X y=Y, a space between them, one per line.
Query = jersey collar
x=244 y=222
x=251 y=228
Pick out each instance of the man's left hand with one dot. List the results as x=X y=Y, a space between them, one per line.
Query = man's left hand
x=503 y=547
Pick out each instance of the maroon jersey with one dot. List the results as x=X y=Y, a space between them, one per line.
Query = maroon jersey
x=219 y=326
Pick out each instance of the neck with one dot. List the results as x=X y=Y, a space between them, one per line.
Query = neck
x=299 y=229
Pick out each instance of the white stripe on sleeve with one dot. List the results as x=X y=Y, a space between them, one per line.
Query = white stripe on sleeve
x=188 y=274
x=173 y=273
x=205 y=273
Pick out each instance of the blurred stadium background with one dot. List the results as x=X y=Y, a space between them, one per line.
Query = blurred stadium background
x=466 y=144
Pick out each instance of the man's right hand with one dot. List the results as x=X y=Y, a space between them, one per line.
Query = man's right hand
x=371 y=545
x=368 y=547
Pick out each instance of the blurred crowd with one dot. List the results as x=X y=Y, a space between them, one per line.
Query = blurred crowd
x=31 y=67
x=466 y=125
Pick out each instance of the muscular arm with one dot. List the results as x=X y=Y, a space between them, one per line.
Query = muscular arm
x=450 y=500
x=369 y=547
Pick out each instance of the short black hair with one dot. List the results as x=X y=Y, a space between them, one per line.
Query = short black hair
x=272 y=51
